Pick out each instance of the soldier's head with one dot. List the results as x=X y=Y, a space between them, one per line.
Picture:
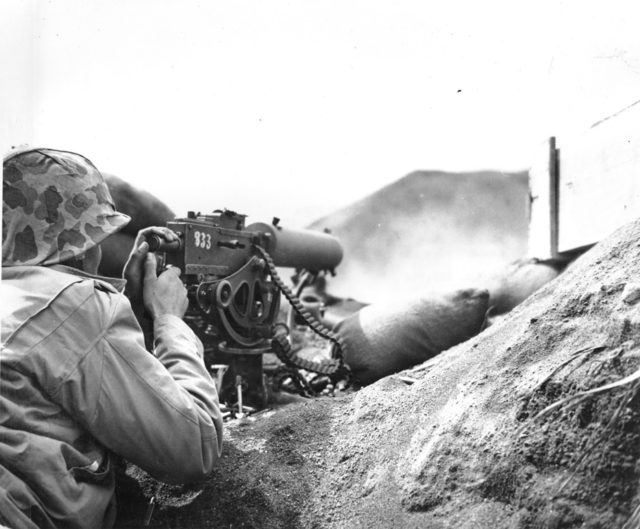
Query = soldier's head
x=56 y=208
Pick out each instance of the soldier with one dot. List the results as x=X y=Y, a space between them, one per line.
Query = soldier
x=77 y=386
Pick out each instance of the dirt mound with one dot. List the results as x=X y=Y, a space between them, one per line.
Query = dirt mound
x=464 y=445
x=430 y=230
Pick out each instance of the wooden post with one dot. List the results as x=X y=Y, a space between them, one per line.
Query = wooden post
x=543 y=190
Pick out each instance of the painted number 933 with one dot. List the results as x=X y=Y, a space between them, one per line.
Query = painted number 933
x=202 y=240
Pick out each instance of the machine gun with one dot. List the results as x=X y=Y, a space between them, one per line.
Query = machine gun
x=234 y=291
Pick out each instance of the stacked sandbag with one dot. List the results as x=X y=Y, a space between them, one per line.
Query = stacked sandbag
x=382 y=339
x=518 y=280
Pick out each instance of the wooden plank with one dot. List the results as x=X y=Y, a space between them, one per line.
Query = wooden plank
x=543 y=190
x=599 y=180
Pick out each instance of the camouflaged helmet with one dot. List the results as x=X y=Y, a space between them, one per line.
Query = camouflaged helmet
x=55 y=206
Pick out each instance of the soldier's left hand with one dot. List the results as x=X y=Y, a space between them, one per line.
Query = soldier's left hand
x=134 y=267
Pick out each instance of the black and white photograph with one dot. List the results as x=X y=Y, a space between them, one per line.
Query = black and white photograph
x=320 y=264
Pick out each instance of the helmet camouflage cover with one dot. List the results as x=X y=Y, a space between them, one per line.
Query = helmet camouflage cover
x=55 y=206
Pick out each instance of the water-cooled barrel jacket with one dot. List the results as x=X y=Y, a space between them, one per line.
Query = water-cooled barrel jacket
x=77 y=384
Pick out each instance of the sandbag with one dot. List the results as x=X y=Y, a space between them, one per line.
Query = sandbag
x=381 y=339
x=144 y=209
x=517 y=281
x=339 y=310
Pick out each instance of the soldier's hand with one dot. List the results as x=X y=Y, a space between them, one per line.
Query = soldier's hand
x=163 y=294
x=134 y=268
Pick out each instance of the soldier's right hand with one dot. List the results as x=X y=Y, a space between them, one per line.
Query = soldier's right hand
x=163 y=294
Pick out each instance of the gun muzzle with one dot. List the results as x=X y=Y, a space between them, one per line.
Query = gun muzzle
x=314 y=251
x=158 y=244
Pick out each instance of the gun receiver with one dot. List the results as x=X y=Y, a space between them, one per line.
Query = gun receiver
x=234 y=292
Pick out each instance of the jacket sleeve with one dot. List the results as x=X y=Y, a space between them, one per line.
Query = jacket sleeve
x=160 y=412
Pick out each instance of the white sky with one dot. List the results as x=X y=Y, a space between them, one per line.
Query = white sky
x=242 y=103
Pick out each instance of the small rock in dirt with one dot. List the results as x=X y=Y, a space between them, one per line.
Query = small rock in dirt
x=631 y=294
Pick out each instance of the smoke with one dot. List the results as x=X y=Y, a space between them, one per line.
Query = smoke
x=430 y=232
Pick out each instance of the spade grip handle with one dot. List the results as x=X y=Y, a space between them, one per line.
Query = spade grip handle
x=158 y=244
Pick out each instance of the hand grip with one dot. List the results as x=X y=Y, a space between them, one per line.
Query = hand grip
x=158 y=244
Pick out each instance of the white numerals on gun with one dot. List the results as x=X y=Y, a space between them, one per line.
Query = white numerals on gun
x=202 y=240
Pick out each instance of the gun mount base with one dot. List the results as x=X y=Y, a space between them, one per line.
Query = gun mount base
x=245 y=367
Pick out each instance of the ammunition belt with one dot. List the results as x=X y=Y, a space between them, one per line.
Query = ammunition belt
x=280 y=342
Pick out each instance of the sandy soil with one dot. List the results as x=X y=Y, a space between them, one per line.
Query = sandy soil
x=464 y=445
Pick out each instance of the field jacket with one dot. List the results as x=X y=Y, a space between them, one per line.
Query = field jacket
x=77 y=384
